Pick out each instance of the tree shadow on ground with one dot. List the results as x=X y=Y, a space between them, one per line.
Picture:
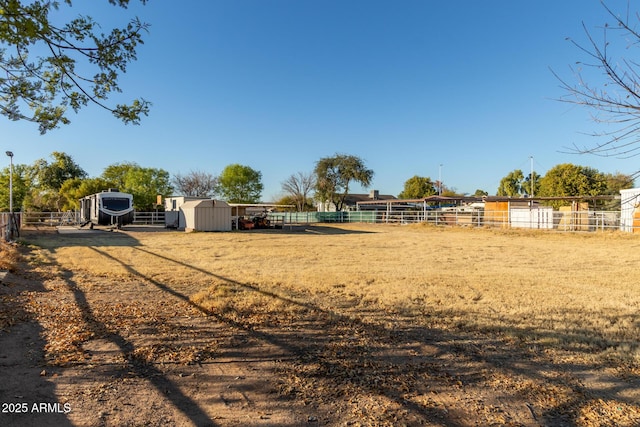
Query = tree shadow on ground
x=51 y=239
x=408 y=367
x=135 y=366
x=379 y=368
x=132 y=368
x=308 y=229
x=25 y=384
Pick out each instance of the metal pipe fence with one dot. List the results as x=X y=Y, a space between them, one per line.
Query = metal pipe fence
x=516 y=218
x=56 y=219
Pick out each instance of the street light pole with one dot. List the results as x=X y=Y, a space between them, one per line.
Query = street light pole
x=10 y=154
x=11 y=223
x=532 y=176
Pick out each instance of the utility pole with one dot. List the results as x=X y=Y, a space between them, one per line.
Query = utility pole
x=531 y=157
x=10 y=154
x=10 y=227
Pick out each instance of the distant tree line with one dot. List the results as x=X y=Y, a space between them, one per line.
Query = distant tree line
x=56 y=185
x=43 y=88
x=563 y=180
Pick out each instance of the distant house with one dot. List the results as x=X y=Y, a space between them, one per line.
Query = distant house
x=350 y=202
x=630 y=210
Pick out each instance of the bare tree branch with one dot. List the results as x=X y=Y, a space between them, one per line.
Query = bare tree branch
x=299 y=187
x=616 y=101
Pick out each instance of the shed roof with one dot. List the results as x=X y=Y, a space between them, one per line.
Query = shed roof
x=205 y=203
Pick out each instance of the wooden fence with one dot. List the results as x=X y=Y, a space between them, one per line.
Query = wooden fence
x=9 y=226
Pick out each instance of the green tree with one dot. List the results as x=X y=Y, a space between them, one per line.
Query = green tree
x=450 y=192
x=572 y=180
x=526 y=184
x=418 y=187
x=240 y=184
x=116 y=174
x=618 y=181
x=511 y=185
x=46 y=180
x=51 y=175
x=21 y=185
x=479 y=193
x=74 y=189
x=335 y=174
x=49 y=68
x=287 y=200
x=145 y=184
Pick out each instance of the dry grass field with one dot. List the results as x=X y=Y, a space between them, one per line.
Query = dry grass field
x=334 y=325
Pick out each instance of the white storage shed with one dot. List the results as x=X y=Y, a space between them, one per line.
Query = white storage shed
x=173 y=215
x=629 y=205
x=206 y=215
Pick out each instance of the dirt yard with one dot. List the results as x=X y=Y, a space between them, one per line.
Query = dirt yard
x=354 y=325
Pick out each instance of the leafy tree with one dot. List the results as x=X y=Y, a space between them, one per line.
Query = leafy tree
x=21 y=185
x=195 y=184
x=618 y=181
x=44 y=69
x=526 y=184
x=572 y=180
x=287 y=200
x=334 y=174
x=298 y=187
x=145 y=184
x=418 y=187
x=51 y=176
x=42 y=201
x=240 y=184
x=616 y=98
x=74 y=189
x=116 y=174
x=450 y=192
x=46 y=180
x=511 y=185
x=479 y=193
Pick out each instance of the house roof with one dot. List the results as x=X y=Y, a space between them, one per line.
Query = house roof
x=471 y=199
x=352 y=199
x=393 y=200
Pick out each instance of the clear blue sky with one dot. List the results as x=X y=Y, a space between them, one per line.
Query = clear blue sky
x=405 y=85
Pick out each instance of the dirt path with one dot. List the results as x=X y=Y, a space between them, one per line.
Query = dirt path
x=101 y=351
x=147 y=358
x=133 y=358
